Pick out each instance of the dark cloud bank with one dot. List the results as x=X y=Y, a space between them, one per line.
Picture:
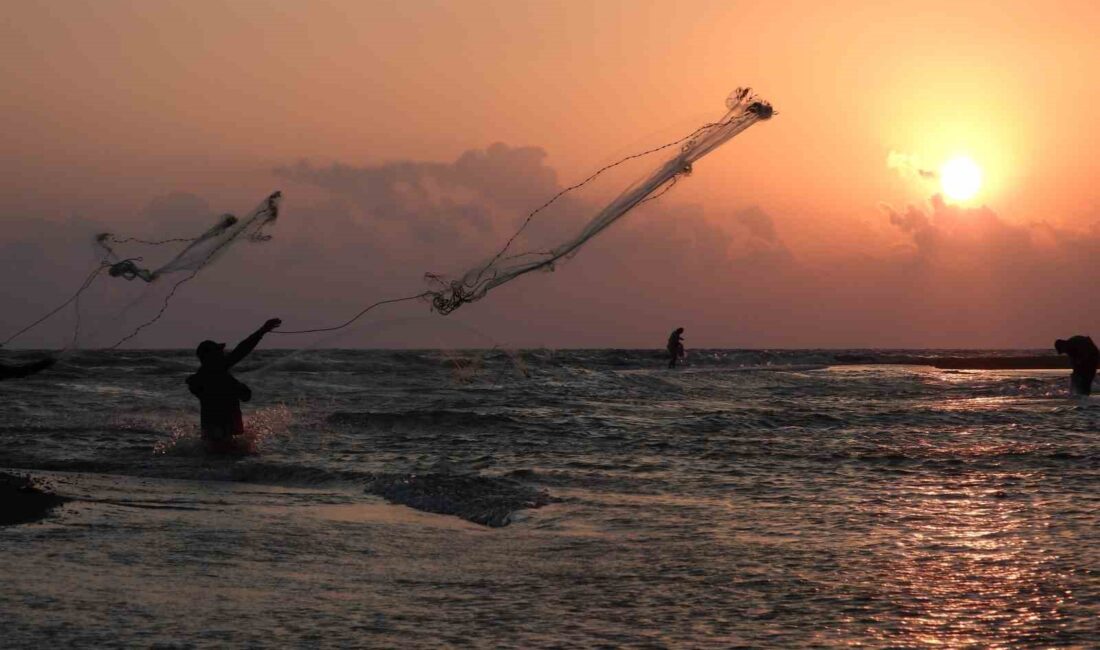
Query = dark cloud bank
x=948 y=276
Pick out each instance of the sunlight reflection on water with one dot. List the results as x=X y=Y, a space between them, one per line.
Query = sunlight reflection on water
x=971 y=568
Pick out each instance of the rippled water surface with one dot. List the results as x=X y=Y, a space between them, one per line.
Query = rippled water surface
x=751 y=498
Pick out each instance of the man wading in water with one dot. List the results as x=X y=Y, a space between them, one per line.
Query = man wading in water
x=220 y=394
x=675 y=347
x=1083 y=356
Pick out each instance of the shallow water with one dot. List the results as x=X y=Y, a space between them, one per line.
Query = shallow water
x=750 y=498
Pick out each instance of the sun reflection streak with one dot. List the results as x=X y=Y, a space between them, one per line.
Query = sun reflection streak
x=969 y=570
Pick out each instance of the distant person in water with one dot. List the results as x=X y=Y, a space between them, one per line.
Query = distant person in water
x=15 y=372
x=1083 y=356
x=675 y=347
x=220 y=394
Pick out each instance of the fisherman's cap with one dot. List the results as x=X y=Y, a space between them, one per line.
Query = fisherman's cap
x=208 y=346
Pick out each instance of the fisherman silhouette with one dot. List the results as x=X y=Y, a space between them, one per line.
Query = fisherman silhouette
x=220 y=394
x=16 y=372
x=1083 y=356
x=675 y=347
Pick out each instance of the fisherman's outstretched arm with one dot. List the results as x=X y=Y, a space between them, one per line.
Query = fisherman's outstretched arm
x=15 y=372
x=250 y=343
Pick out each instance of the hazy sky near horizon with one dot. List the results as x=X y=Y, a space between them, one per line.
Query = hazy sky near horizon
x=412 y=137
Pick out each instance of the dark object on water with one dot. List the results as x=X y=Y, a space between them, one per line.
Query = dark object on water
x=675 y=346
x=484 y=500
x=23 y=500
x=1084 y=356
x=16 y=372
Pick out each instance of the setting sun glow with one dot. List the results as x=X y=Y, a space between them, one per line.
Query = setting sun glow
x=960 y=178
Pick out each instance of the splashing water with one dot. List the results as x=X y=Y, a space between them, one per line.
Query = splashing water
x=262 y=427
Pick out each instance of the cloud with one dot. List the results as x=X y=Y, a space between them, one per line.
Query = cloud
x=438 y=202
x=944 y=229
x=910 y=165
x=762 y=243
x=1011 y=280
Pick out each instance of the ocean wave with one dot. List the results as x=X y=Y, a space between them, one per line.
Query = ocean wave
x=294 y=474
x=60 y=432
x=434 y=418
x=284 y=361
x=130 y=361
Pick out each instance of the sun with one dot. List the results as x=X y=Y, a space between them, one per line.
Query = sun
x=960 y=178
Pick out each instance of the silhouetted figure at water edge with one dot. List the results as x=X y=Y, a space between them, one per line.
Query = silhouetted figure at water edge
x=16 y=372
x=220 y=394
x=675 y=347
x=1083 y=356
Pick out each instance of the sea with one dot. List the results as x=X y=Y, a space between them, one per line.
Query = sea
x=557 y=498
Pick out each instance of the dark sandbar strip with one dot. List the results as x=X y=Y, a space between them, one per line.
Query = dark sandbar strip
x=23 y=500
x=1003 y=363
x=485 y=500
x=1051 y=362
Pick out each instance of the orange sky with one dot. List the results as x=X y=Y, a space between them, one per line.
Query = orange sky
x=108 y=105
